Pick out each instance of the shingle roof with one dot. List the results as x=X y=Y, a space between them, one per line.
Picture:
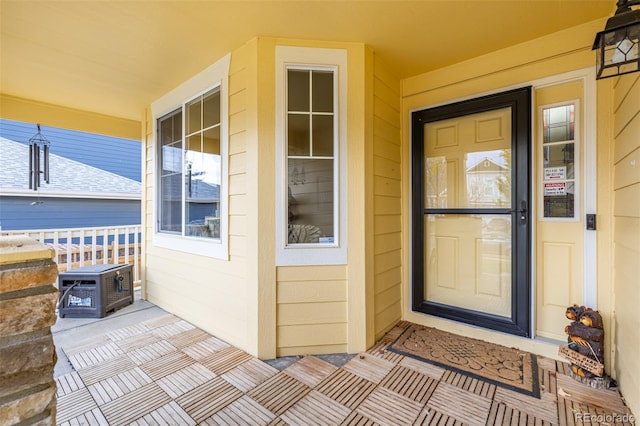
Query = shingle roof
x=66 y=176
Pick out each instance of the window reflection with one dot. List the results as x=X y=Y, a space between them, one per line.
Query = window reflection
x=486 y=180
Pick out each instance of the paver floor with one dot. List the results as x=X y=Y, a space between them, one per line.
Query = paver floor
x=165 y=371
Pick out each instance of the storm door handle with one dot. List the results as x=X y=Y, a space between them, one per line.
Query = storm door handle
x=522 y=212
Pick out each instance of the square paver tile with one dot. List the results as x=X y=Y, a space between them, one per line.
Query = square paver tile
x=310 y=370
x=460 y=404
x=250 y=374
x=74 y=404
x=106 y=369
x=369 y=367
x=224 y=360
x=346 y=388
x=204 y=348
x=94 y=356
x=170 y=414
x=134 y=405
x=468 y=383
x=172 y=329
x=167 y=364
x=279 y=393
x=242 y=411
x=388 y=408
x=410 y=384
x=316 y=409
x=68 y=383
x=187 y=337
x=127 y=332
x=209 y=398
x=90 y=418
x=150 y=352
x=118 y=385
x=185 y=379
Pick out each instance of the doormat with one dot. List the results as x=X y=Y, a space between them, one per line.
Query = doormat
x=506 y=367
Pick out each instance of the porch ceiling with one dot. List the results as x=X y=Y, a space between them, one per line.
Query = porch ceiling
x=115 y=57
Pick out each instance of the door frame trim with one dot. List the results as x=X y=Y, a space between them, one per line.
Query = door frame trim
x=520 y=323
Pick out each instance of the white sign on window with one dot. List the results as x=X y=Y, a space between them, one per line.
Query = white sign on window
x=555 y=173
x=558 y=188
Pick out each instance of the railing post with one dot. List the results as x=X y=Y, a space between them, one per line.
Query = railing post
x=126 y=245
x=81 y=244
x=105 y=246
x=94 y=252
x=116 y=248
x=69 y=254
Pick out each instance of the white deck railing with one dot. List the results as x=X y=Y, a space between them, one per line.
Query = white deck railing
x=77 y=247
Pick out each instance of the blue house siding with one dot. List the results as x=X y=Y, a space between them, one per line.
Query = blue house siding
x=17 y=213
x=115 y=155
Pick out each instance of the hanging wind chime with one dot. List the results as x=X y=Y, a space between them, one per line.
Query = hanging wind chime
x=36 y=143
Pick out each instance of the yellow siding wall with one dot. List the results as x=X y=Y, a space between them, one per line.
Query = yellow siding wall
x=627 y=236
x=387 y=201
x=312 y=310
x=212 y=294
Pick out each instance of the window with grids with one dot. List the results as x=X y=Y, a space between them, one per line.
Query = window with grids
x=559 y=153
x=190 y=168
x=311 y=155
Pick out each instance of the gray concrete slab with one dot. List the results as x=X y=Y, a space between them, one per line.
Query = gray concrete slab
x=69 y=330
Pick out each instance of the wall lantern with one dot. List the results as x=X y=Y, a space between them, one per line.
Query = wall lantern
x=618 y=45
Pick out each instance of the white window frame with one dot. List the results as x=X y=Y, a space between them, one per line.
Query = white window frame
x=216 y=75
x=318 y=253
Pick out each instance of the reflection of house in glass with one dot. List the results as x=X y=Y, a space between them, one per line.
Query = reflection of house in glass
x=202 y=209
x=488 y=184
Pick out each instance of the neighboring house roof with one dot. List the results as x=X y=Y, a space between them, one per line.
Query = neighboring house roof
x=68 y=178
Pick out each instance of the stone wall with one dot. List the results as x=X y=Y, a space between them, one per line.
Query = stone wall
x=27 y=310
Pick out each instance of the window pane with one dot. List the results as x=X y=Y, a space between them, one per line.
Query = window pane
x=202 y=167
x=194 y=142
x=310 y=201
x=202 y=191
x=559 y=124
x=322 y=136
x=298 y=90
x=211 y=109
x=559 y=199
x=322 y=89
x=170 y=161
x=211 y=141
x=194 y=117
x=298 y=135
x=559 y=162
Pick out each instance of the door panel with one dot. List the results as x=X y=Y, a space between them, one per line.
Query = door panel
x=559 y=226
x=469 y=262
x=470 y=244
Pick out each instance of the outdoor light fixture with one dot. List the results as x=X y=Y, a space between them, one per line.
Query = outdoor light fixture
x=618 y=45
x=35 y=171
